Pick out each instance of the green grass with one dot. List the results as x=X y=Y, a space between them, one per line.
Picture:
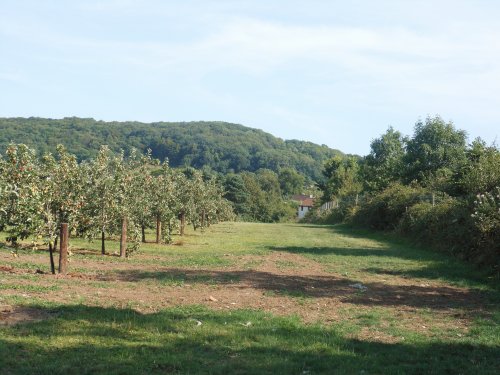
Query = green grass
x=370 y=335
x=91 y=340
x=29 y=288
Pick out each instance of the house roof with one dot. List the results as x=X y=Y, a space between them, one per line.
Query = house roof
x=308 y=202
x=304 y=200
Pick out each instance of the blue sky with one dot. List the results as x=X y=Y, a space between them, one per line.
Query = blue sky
x=331 y=72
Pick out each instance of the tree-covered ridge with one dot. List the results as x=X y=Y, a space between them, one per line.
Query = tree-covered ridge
x=221 y=146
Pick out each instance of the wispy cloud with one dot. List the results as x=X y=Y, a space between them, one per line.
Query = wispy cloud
x=427 y=62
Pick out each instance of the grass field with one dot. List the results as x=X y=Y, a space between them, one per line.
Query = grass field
x=250 y=299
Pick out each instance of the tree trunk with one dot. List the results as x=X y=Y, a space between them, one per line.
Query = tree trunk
x=123 y=239
x=143 y=230
x=52 y=265
x=169 y=232
x=63 y=249
x=203 y=219
x=103 y=242
x=158 y=230
x=183 y=222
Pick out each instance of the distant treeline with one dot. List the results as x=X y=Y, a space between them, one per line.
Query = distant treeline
x=220 y=146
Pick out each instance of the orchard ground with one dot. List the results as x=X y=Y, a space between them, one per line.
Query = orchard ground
x=249 y=298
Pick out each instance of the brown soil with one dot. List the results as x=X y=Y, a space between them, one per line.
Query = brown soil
x=280 y=283
x=11 y=315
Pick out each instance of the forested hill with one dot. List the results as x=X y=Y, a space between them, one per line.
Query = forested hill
x=224 y=147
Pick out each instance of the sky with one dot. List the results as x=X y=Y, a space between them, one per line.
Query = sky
x=331 y=72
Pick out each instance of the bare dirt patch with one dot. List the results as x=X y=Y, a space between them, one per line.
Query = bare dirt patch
x=12 y=315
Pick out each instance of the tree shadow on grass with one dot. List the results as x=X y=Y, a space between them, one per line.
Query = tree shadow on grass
x=435 y=265
x=440 y=271
x=342 y=251
x=95 y=340
x=314 y=286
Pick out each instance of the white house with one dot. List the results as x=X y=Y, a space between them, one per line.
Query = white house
x=306 y=203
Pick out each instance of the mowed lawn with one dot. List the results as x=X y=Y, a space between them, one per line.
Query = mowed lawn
x=244 y=298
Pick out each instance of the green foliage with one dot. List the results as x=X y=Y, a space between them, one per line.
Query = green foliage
x=436 y=149
x=220 y=146
x=384 y=165
x=237 y=193
x=291 y=182
x=343 y=177
x=384 y=211
x=108 y=195
x=447 y=225
x=481 y=173
x=265 y=202
x=21 y=198
x=422 y=187
x=487 y=221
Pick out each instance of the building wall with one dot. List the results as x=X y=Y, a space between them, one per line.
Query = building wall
x=302 y=211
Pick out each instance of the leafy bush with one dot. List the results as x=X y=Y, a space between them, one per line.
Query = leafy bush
x=446 y=226
x=486 y=219
x=384 y=210
x=334 y=216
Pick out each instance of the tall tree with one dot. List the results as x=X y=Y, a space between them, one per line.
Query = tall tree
x=385 y=162
x=435 y=152
x=102 y=204
x=481 y=172
x=291 y=181
x=20 y=195
x=236 y=193
x=164 y=207
x=343 y=177
x=141 y=189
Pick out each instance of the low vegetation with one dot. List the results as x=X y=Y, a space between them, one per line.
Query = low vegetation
x=249 y=298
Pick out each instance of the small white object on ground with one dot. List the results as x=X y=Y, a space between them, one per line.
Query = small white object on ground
x=359 y=286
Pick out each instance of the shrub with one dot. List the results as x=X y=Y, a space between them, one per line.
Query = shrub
x=446 y=226
x=384 y=210
x=486 y=218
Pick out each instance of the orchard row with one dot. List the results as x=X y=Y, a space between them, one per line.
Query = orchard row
x=107 y=196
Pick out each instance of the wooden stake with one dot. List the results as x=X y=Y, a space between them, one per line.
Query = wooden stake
x=183 y=222
x=52 y=264
x=158 y=230
x=103 y=242
x=123 y=239
x=63 y=249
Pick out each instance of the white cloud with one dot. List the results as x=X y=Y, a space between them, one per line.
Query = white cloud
x=446 y=61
